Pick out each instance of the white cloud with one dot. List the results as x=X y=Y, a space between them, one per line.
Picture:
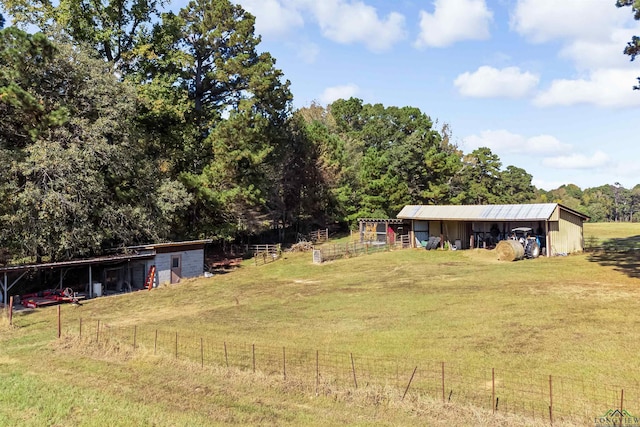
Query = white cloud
x=274 y=18
x=597 y=160
x=544 y=20
x=488 y=82
x=503 y=141
x=357 y=22
x=333 y=93
x=604 y=88
x=453 y=21
x=604 y=53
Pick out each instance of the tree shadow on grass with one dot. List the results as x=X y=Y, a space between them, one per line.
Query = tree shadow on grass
x=623 y=254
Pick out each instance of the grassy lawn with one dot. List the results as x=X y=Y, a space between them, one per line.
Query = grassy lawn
x=572 y=317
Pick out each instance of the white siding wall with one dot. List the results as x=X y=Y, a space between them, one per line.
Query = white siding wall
x=192 y=265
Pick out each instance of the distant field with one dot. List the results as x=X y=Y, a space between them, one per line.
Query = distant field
x=572 y=317
x=610 y=230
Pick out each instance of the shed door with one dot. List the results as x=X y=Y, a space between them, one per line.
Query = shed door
x=176 y=268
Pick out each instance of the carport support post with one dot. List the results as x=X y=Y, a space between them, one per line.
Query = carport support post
x=90 y=283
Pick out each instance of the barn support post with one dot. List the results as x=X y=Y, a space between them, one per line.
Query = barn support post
x=412 y=234
x=547 y=238
x=386 y=233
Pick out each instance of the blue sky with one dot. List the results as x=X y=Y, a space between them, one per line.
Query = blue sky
x=543 y=83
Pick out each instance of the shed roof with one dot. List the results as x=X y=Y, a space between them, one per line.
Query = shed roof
x=152 y=246
x=527 y=212
x=76 y=263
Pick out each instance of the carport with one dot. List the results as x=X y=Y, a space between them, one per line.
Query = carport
x=11 y=275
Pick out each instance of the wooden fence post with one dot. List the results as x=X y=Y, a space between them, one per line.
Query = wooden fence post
x=353 y=368
x=550 y=400
x=80 y=335
x=442 y=382
x=253 y=352
x=408 y=385
x=226 y=358
x=201 y=352
x=176 y=345
x=284 y=364
x=59 y=323
x=98 y=332
x=135 y=335
x=11 y=310
x=493 y=390
x=317 y=370
x=155 y=343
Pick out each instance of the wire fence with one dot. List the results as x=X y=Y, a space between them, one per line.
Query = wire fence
x=332 y=252
x=542 y=397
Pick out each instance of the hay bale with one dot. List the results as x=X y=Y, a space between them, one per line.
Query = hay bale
x=509 y=250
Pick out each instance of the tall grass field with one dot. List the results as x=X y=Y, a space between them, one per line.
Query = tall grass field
x=223 y=350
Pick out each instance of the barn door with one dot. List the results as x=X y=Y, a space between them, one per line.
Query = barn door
x=176 y=268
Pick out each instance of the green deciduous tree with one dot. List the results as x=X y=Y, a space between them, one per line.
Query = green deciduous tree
x=633 y=47
x=109 y=26
x=75 y=180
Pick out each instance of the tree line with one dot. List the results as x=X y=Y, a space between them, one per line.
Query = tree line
x=123 y=124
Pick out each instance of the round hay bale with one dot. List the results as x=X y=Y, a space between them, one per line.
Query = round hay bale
x=509 y=250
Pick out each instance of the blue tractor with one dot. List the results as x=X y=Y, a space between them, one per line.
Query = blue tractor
x=529 y=241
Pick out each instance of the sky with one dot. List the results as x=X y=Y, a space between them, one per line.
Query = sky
x=543 y=83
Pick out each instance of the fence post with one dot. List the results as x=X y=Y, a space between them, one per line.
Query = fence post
x=226 y=358
x=176 y=345
x=98 y=332
x=317 y=370
x=408 y=385
x=550 y=400
x=493 y=390
x=135 y=335
x=442 y=382
x=353 y=368
x=155 y=343
x=201 y=352
x=59 y=324
x=11 y=310
x=80 y=328
x=284 y=364
x=253 y=353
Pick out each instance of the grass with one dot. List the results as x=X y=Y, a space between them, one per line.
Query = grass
x=611 y=230
x=572 y=317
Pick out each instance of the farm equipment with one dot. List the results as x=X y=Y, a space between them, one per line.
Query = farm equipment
x=529 y=242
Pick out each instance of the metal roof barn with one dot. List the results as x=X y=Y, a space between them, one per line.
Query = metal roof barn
x=469 y=226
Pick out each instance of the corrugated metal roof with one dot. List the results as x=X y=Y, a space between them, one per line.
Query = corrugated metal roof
x=529 y=212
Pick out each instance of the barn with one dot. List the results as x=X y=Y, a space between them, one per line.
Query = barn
x=559 y=228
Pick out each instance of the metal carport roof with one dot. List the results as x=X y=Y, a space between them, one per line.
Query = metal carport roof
x=526 y=212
